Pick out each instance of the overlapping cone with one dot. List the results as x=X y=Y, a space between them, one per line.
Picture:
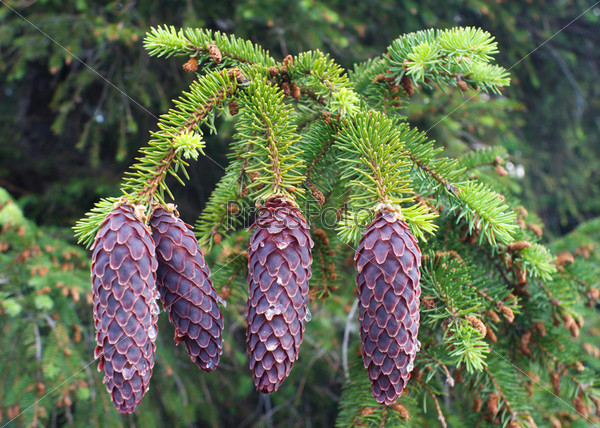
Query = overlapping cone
x=387 y=262
x=279 y=260
x=186 y=290
x=125 y=309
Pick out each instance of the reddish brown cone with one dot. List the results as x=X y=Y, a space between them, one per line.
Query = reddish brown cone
x=387 y=261
x=279 y=262
x=125 y=308
x=186 y=290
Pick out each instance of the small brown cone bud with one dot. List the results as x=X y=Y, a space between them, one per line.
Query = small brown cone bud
x=214 y=53
x=401 y=410
x=236 y=73
x=285 y=87
x=525 y=339
x=493 y=316
x=273 y=71
x=574 y=329
x=569 y=321
x=191 y=66
x=595 y=400
x=253 y=175
x=535 y=229
x=477 y=405
x=13 y=411
x=523 y=212
x=521 y=275
x=477 y=324
x=462 y=85
x=367 y=411
x=407 y=85
x=288 y=62
x=555 y=381
x=428 y=303
x=585 y=251
x=581 y=407
x=555 y=422
x=500 y=170
x=234 y=108
x=565 y=257
x=507 y=313
x=518 y=246
x=295 y=91
x=492 y=404
x=379 y=78
x=318 y=195
x=225 y=292
x=491 y=336
x=244 y=191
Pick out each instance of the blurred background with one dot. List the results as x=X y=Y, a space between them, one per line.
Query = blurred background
x=79 y=95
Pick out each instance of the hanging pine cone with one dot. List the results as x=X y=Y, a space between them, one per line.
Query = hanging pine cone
x=387 y=261
x=125 y=308
x=278 y=273
x=186 y=290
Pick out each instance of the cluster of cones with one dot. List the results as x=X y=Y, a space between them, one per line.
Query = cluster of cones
x=132 y=264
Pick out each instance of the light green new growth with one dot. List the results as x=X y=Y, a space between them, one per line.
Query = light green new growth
x=447 y=56
x=486 y=213
x=168 y=41
x=539 y=262
x=375 y=170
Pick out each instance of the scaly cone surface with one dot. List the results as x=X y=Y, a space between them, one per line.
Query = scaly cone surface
x=279 y=262
x=186 y=290
x=125 y=308
x=387 y=261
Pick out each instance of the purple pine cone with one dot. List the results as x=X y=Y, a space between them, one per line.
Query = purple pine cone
x=279 y=262
x=125 y=308
x=387 y=261
x=186 y=290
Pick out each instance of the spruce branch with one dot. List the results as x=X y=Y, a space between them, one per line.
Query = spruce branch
x=317 y=73
x=168 y=41
x=538 y=261
x=447 y=57
x=266 y=141
x=374 y=172
x=483 y=157
x=177 y=140
x=486 y=213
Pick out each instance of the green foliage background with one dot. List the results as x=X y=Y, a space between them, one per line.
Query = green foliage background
x=67 y=136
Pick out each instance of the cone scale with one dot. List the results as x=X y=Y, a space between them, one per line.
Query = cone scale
x=279 y=260
x=186 y=290
x=125 y=309
x=387 y=262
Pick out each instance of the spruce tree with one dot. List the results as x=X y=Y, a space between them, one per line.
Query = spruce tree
x=465 y=317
